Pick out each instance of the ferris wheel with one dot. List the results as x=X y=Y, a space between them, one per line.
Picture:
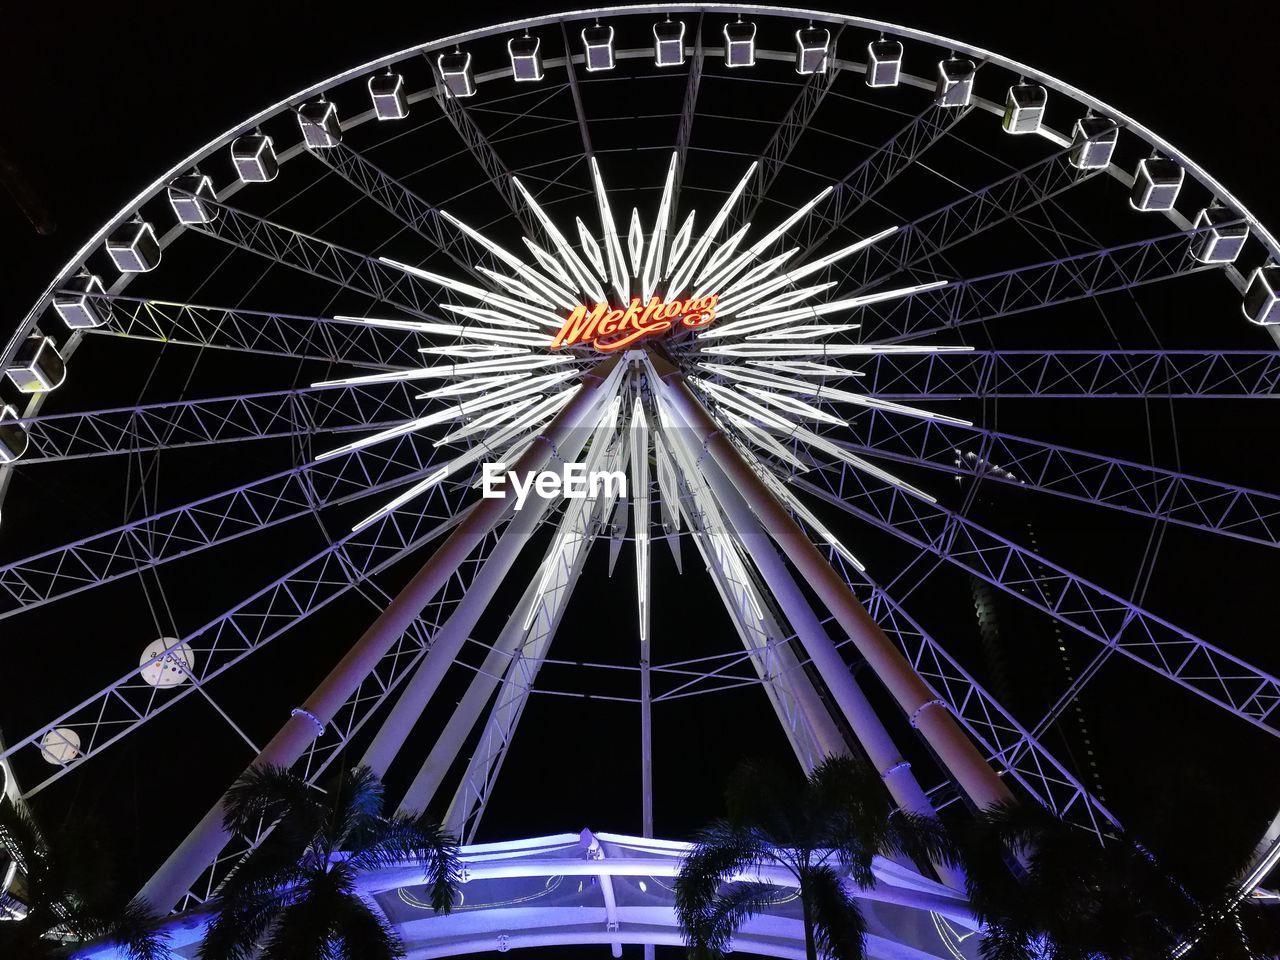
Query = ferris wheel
x=833 y=308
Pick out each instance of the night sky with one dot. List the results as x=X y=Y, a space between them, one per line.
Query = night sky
x=100 y=99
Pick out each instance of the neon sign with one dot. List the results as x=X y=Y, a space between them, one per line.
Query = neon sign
x=611 y=328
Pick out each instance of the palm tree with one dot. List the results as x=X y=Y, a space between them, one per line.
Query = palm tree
x=69 y=896
x=1070 y=897
x=295 y=895
x=821 y=829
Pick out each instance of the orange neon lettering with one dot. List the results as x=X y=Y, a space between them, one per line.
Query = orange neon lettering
x=609 y=328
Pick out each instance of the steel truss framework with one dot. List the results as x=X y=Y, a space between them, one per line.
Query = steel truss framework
x=832 y=363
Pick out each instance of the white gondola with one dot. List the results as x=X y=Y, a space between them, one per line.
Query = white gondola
x=1093 y=141
x=526 y=58
x=254 y=157
x=1262 y=296
x=1224 y=236
x=668 y=43
x=813 y=48
x=597 y=43
x=78 y=307
x=884 y=63
x=37 y=367
x=134 y=248
x=739 y=44
x=1024 y=108
x=386 y=90
x=955 y=82
x=1156 y=183
x=13 y=435
x=318 y=121
x=455 y=71
x=193 y=198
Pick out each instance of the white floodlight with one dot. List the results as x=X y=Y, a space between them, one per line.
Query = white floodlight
x=254 y=157
x=526 y=58
x=739 y=44
x=386 y=90
x=668 y=43
x=884 y=63
x=597 y=42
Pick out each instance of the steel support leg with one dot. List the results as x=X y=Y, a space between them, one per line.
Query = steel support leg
x=202 y=845
x=928 y=714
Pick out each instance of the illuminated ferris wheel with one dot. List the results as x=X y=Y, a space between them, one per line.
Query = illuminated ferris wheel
x=832 y=308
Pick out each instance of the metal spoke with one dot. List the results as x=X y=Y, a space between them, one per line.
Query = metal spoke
x=1126 y=485
x=406 y=206
x=218 y=420
x=1005 y=741
x=120 y=708
x=1219 y=677
x=964 y=219
x=1032 y=287
x=338 y=265
x=210 y=521
x=1072 y=374
x=688 y=110
x=862 y=183
x=773 y=158
x=267 y=332
x=474 y=139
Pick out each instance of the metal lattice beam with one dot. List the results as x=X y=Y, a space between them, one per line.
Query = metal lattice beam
x=862 y=183
x=786 y=135
x=474 y=139
x=1138 y=488
x=338 y=265
x=963 y=219
x=129 y=702
x=188 y=423
x=210 y=521
x=256 y=331
x=1071 y=374
x=1006 y=743
x=1114 y=621
x=406 y=206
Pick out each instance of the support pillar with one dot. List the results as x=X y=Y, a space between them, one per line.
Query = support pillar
x=176 y=875
x=927 y=713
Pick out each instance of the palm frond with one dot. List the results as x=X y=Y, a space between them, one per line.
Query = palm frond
x=363 y=934
x=139 y=932
x=839 y=929
x=267 y=793
x=235 y=930
x=354 y=805
x=721 y=851
x=306 y=928
x=710 y=935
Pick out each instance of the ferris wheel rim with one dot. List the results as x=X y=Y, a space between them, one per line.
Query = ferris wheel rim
x=1048 y=80
x=576 y=15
